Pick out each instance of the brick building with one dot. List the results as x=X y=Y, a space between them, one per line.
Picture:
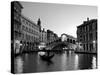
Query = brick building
x=87 y=36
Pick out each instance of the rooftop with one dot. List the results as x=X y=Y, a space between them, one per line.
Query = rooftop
x=87 y=22
x=29 y=20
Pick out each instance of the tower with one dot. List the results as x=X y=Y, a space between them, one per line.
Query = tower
x=39 y=24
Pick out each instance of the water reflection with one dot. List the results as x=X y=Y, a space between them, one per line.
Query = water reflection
x=94 y=62
x=62 y=61
x=18 y=65
x=76 y=61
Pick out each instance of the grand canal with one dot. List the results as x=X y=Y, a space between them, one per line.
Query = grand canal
x=62 y=61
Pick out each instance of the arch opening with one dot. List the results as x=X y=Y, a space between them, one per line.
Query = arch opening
x=63 y=37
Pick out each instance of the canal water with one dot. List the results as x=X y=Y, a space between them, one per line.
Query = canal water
x=62 y=61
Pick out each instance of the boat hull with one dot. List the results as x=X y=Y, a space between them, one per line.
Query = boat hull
x=45 y=57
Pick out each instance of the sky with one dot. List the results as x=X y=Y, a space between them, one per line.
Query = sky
x=60 y=18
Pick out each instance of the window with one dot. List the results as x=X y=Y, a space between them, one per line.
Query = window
x=29 y=30
x=87 y=46
x=84 y=37
x=32 y=31
x=86 y=28
x=87 y=37
x=23 y=27
x=70 y=40
x=73 y=41
x=81 y=29
x=26 y=37
x=91 y=47
x=80 y=44
x=80 y=36
x=96 y=35
x=84 y=47
x=91 y=36
x=26 y=23
x=26 y=29
x=96 y=26
x=90 y=27
x=23 y=36
x=80 y=40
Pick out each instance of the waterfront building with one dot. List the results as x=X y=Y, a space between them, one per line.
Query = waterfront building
x=16 y=9
x=51 y=36
x=87 y=36
x=43 y=34
x=55 y=37
x=30 y=32
x=26 y=31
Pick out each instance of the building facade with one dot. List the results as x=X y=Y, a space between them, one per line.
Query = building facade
x=30 y=33
x=43 y=34
x=16 y=9
x=26 y=31
x=51 y=36
x=87 y=36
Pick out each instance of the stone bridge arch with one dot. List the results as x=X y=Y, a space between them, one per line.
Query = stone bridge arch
x=69 y=42
x=61 y=45
x=68 y=38
x=64 y=37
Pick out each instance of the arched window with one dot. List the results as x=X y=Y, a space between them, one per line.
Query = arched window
x=68 y=40
x=73 y=41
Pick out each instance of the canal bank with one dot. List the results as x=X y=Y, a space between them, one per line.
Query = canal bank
x=85 y=53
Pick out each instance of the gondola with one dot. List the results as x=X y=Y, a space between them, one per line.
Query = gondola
x=47 y=57
x=44 y=54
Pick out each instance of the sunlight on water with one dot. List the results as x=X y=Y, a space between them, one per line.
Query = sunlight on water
x=26 y=57
x=94 y=62
x=64 y=62
x=38 y=60
x=76 y=61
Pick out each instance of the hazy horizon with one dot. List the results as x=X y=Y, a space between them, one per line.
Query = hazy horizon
x=60 y=18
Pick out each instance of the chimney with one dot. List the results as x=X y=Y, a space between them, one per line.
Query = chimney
x=87 y=19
